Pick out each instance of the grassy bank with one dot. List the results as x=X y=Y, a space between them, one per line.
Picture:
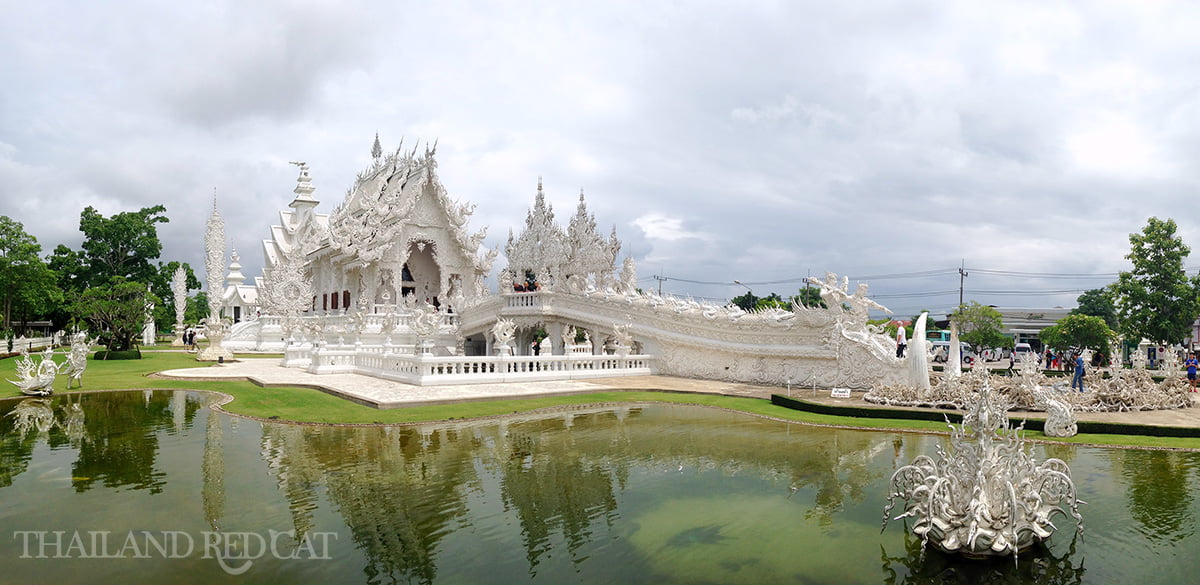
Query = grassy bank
x=314 y=406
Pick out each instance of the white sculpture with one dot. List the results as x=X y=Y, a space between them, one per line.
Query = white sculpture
x=36 y=379
x=1060 y=419
x=425 y=323
x=179 y=290
x=953 y=367
x=77 y=359
x=985 y=495
x=148 y=327
x=215 y=327
x=1169 y=363
x=504 y=330
x=623 y=338
x=568 y=338
x=1139 y=359
x=918 y=360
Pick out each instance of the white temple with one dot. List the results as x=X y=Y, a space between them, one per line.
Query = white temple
x=391 y=284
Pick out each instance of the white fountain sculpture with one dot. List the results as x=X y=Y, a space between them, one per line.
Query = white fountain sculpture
x=504 y=330
x=985 y=496
x=36 y=378
x=77 y=359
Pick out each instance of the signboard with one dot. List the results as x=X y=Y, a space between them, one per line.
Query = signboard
x=840 y=393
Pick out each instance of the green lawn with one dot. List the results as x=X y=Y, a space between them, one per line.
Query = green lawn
x=308 y=405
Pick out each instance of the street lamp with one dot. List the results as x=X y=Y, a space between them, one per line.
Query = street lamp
x=738 y=282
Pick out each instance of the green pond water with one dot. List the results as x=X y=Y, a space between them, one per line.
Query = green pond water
x=152 y=487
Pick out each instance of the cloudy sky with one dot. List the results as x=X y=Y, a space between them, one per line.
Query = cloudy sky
x=750 y=141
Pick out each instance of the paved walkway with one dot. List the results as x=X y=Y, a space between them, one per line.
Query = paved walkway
x=381 y=393
x=387 y=394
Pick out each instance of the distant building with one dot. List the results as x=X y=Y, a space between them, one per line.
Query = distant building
x=1024 y=325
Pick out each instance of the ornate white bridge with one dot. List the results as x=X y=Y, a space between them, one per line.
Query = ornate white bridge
x=804 y=346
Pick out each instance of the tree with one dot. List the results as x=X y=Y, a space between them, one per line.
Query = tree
x=115 y=311
x=809 y=297
x=1097 y=302
x=1156 y=300
x=197 y=308
x=746 y=301
x=123 y=245
x=27 y=285
x=69 y=268
x=980 y=326
x=1079 y=332
x=771 y=301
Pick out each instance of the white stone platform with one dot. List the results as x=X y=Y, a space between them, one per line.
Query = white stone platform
x=377 y=392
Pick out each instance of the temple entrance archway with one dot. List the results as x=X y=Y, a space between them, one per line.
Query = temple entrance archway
x=423 y=269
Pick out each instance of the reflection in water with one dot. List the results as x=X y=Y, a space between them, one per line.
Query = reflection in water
x=212 y=470
x=402 y=490
x=119 y=452
x=918 y=566
x=629 y=494
x=1160 y=492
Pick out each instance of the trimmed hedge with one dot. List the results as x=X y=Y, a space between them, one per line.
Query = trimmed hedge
x=1032 y=424
x=129 y=354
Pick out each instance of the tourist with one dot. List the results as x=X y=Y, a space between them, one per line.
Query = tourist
x=1191 y=364
x=901 y=342
x=1077 y=381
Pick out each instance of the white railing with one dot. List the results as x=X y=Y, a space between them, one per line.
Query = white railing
x=523 y=300
x=400 y=364
x=29 y=343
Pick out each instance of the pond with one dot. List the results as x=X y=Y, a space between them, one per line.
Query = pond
x=152 y=485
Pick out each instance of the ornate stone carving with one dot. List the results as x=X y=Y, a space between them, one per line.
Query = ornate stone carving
x=179 y=290
x=985 y=495
x=503 y=331
x=425 y=321
x=77 y=359
x=36 y=378
x=1060 y=419
x=214 y=265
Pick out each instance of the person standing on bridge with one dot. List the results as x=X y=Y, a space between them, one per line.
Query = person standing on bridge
x=901 y=342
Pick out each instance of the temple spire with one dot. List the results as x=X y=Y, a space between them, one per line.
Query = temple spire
x=376 y=149
x=304 y=187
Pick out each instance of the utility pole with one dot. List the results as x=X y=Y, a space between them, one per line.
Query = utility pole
x=660 y=280
x=962 y=274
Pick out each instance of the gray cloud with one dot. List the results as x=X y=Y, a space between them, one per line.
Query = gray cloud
x=757 y=142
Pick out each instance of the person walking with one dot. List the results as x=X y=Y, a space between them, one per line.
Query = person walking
x=1191 y=364
x=1077 y=381
x=901 y=342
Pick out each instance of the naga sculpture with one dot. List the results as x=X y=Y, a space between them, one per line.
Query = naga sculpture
x=425 y=322
x=986 y=495
x=36 y=378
